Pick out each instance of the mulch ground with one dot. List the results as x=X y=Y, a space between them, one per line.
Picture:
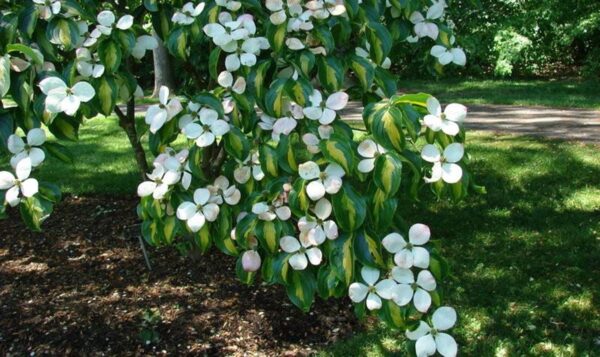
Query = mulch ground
x=81 y=288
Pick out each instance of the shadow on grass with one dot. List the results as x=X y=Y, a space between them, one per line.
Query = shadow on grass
x=524 y=256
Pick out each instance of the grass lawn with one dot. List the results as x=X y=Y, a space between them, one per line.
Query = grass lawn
x=525 y=256
x=555 y=93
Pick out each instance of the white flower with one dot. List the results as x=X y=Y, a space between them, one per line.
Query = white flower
x=225 y=80
x=431 y=339
x=268 y=212
x=408 y=289
x=188 y=13
x=284 y=125
x=160 y=181
x=106 y=20
x=426 y=26
x=278 y=15
x=446 y=121
x=21 y=184
x=158 y=114
x=312 y=141
x=249 y=168
x=88 y=65
x=325 y=112
x=321 y=9
x=198 y=212
x=328 y=181
x=221 y=192
x=251 y=261
x=30 y=149
x=369 y=150
x=374 y=291
x=231 y=5
x=48 y=8
x=444 y=167
x=300 y=252
x=177 y=162
x=205 y=133
x=227 y=32
x=247 y=54
x=294 y=44
x=60 y=98
x=315 y=231
x=445 y=55
x=409 y=254
x=142 y=44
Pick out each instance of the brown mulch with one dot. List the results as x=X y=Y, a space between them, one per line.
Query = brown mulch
x=81 y=287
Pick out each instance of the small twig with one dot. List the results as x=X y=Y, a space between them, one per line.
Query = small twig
x=145 y=253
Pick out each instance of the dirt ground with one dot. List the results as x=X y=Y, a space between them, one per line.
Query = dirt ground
x=81 y=288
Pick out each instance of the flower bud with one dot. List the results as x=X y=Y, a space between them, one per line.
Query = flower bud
x=251 y=261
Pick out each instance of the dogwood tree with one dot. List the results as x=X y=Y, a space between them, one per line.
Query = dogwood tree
x=254 y=156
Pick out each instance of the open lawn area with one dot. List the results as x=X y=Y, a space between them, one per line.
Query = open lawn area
x=554 y=93
x=524 y=255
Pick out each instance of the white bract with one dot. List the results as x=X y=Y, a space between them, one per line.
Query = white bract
x=142 y=44
x=446 y=55
x=411 y=253
x=30 y=149
x=301 y=253
x=321 y=9
x=106 y=22
x=230 y=5
x=225 y=80
x=446 y=121
x=88 y=65
x=410 y=289
x=61 y=98
x=425 y=26
x=325 y=112
x=316 y=230
x=221 y=192
x=369 y=150
x=249 y=168
x=328 y=181
x=160 y=181
x=20 y=185
x=196 y=213
x=48 y=8
x=158 y=114
x=444 y=166
x=187 y=15
x=210 y=127
x=268 y=212
x=312 y=141
x=373 y=291
x=431 y=338
x=251 y=261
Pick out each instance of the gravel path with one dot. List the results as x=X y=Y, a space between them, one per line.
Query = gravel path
x=568 y=124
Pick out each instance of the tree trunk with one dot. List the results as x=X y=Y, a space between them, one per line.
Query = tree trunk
x=163 y=73
x=127 y=122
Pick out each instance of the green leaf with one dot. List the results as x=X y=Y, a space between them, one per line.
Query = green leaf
x=275 y=99
x=349 y=208
x=256 y=80
x=106 y=93
x=49 y=191
x=268 y=233
x=367 y=250
x=151 y=5
x=418 y=99
x=7 y=127
x=4 y=75
x=28 y=19
x=276 y=36
x=110 y=55
x=328 y=284
x=363 y=69
x=393 y=314
x=177 y=43
x=382 y=210
x=388 y=173
x=222 y=238
x=339 y=151
x=269 y=160
x=342 y=258
x=306 y=62
x=36 y=56
x=331 y=73
x=301 y=289
x=34 y=211
x=63 y=31
x=386 y=126
x=65 y=127
x=236 y=144
x=203 y=240
x=213 y=62
x=380 y=40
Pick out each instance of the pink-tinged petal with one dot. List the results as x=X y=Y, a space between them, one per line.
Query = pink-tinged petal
x=283 y=213
x=314 y=113
x=251 y=261
x=426 y=280
x=70 y=105
x=242 y=174
x=419 y=234
x=420 y=257
x=323 y=208
x=425 y=346
x=328 y=117
x=357 y=292
x=298 y=261
x=385 y=288
x=367 y=149
x=314 y=256
x=433 y=122
x=404 y=258
x=403 y=295
x=315 y=190
x=337 y=101
x=316 y=236
x=309 y=170
x=160 y=191
x=366 y=165
x=393 y=242
x=205 y=139
x=403 y=275
x=219 y=127
x=284 y=125
x=331 y=229
x=289 y=244
x=456 y=112
x=422 y=300
x=201 y=196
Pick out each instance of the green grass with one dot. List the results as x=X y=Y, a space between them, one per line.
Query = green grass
x=555 y=93
x=524 y=256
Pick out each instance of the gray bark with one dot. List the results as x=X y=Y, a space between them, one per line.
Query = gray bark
x=163 y=73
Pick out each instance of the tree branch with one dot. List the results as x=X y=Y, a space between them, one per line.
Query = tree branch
x=127 y=123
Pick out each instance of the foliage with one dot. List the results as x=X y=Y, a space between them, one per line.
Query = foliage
x=269 y=172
